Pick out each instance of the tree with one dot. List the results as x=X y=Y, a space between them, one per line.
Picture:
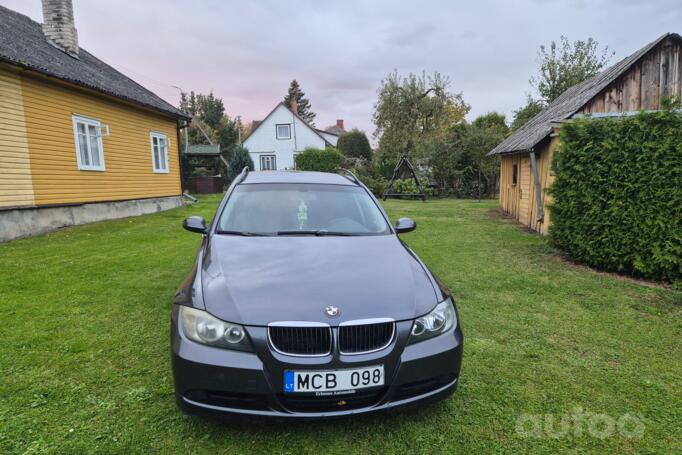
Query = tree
x=461 y=165
x=239 y=160
x=491 y=121
x=565 y=64
x=355 y=144
x=411 y=110
x=208 y=114
x=303 y=103
x=527 y=112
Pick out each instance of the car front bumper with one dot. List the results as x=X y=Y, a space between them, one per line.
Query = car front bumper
x=222 y=382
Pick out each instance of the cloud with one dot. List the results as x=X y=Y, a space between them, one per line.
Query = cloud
x=248 y=52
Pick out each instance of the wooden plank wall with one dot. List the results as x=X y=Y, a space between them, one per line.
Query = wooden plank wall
x=518 y=201
x=16 y=186
x=524 y=190
x=544 y=153
x=509 y=193
x=49 y=108
x=656 y=76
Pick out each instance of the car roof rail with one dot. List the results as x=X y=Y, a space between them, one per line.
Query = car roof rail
x=242 y=175
x=350 y=176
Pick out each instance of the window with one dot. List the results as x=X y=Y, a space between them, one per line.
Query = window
x=283 y=131
x=88 y=138
x=301 y=209
x=268 y=163
x=515 y=174
x=160 y=152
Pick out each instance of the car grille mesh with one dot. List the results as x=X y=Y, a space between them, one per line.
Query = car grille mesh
x=356 y=339
x=304 y=341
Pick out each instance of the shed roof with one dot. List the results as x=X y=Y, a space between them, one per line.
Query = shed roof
x=22 y=43
x=568 y=103
x=203 y=149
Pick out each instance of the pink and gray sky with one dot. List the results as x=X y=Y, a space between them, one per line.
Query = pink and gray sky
x=247 y=52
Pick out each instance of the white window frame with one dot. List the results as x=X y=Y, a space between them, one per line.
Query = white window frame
x=158 y=136
x=267 y=155
x=288 y=125
x=76 y=119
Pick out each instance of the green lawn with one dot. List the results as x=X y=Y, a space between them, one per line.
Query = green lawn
x=84 y=355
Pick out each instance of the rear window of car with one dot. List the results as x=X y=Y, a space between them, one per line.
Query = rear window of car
x=289 y=208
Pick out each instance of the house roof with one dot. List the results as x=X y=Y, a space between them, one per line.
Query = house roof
x=568 y=103
x=335 y=130
x=203 y=150
x=22 y=43
x=326 y=132
x=260 y=123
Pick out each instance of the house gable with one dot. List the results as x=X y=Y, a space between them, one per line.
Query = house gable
x=655 y=76
x=263 y=142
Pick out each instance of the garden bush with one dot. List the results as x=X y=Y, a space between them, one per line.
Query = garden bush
x=618 y=194
x=322 y=160
x=405 y=186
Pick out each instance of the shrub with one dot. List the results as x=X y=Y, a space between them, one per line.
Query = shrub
x=311 y=159
x=618 y=194
x=355 y=144
x=376 y=185
x=405 y=186
x=238 y=161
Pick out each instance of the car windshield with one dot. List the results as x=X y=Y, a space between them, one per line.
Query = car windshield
x=301 y=209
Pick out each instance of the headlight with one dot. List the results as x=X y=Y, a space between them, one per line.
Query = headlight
x=203 y=328
x=440 y=320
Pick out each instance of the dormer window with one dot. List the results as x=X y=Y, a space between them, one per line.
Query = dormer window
x=283 y=131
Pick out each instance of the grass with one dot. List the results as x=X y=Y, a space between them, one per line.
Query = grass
x=84 y=355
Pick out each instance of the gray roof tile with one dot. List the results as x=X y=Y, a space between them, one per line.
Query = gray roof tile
x=22 y=43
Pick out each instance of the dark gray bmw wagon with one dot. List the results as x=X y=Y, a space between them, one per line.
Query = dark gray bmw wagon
x=304 y=303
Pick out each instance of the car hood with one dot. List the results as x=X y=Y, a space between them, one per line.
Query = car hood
x=259 y=280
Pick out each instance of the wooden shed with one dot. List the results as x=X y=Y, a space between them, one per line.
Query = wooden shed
x=638 y=82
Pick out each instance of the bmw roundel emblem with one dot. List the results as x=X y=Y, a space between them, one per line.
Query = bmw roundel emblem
x=332 y=311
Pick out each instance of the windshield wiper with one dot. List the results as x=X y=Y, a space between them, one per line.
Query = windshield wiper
x=243 y=233
x=319 y=233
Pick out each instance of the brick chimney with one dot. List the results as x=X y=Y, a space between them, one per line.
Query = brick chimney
x=339 y=124
x=59 y=27
x=294 y=106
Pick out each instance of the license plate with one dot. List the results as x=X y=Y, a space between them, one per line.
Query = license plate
x=333 y=380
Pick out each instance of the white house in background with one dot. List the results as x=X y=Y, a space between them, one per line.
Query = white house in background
x=275 y=140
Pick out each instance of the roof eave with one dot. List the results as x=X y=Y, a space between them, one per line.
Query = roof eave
x=178 y=115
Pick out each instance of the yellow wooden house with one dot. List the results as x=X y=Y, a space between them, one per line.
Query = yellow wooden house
x=640 y=81
x=79 y=141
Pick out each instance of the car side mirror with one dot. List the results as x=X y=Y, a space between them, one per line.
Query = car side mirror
x=405 y=225
x=195 y=224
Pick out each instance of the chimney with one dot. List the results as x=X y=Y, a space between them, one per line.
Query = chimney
x=58 y=26
x=294 y=106
x=339 y=124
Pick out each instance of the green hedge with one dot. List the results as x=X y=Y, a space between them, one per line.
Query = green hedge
x=322 y=160
x=618 y=194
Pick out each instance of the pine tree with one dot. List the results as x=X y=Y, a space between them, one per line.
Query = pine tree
x=303 y=103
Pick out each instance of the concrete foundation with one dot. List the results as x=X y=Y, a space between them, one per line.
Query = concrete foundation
x=31 y=221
